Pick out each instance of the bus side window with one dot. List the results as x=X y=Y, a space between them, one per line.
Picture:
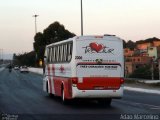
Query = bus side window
x=67 y=47
x=48 y=59
x=69 y=51
x=56 y=49
x=65 y=52
x=50 y=55
x=57 y=55
x=62 y=54
x=53 y=54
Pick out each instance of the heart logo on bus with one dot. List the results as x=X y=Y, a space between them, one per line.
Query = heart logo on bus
x=96 y=47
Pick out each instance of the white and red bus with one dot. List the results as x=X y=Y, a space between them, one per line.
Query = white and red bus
x=85 y=67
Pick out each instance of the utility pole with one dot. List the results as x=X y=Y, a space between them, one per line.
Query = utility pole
x=81 y=18
x=152 y=70
x=152 y=67
x=35 y=16
x=159 y=68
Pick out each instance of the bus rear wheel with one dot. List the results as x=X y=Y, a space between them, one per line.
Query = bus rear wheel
x=105 y=101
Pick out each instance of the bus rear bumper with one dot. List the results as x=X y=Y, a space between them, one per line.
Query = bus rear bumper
x=76 y=93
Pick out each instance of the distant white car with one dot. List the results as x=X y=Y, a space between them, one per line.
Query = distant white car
x=16 y=67
x=24 y=69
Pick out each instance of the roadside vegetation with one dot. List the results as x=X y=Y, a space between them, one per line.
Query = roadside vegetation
x=55 y=32
x=145 y=72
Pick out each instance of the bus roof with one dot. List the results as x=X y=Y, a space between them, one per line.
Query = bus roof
x=63 y=41
x=106 y=36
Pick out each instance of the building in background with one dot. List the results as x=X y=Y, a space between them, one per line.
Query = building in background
x=146 y=53
x=135 y=62
x=128 y=52
x=154 y=52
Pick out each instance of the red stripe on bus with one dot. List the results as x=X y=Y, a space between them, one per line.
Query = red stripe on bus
x=105 y=83
x=67 y=85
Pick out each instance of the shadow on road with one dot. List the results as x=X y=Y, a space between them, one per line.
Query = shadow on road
x=80 y=103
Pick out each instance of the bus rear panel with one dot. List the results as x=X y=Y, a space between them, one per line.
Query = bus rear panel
x=99 y=67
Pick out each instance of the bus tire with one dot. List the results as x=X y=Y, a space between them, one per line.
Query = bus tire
x=105 y=101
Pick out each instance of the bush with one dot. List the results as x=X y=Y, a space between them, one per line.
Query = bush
x=142 y=72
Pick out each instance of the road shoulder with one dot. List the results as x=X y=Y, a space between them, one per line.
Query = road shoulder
x=142 y=87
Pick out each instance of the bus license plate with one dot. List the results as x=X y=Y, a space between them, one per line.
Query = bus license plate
x=98 y=88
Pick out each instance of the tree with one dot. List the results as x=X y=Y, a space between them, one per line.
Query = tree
x=130 y=44
x=142 y=72
x=124 y=44
x=39 y=45
x=149 y=40
x=24 y=59
x=55 y=32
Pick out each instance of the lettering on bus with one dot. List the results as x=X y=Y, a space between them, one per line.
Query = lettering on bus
x=106 y=67
x=98 y=48
x=78 y=57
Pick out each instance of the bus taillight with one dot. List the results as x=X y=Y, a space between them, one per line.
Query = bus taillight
x=74 y=80
x=121 y=80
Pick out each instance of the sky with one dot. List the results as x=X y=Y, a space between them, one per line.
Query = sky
x=128 y=19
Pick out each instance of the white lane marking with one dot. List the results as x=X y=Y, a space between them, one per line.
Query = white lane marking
x=143 y=104
x=15 y=73
x=1 y=69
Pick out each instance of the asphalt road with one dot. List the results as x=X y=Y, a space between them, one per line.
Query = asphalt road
x=22 y=97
